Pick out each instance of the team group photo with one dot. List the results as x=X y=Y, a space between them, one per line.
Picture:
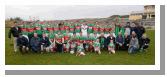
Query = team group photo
x=84 y=35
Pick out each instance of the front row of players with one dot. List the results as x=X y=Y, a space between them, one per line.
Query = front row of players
x=76 y=43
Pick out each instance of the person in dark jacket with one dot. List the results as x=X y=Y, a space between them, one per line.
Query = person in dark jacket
x=15 y=31
x=141 y=31
x=127 y=28
x=133 y=28
x=23 y=43
x=144 y=42
x=102 y=40
x=45 y=43
x=127 y=41
x=35 y=43
x=119 y=41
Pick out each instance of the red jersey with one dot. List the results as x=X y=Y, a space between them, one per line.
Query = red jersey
x=23 y=29
x=66 y=27
x=56 y=29
x=59 y=40
x=49 y=29
x=66 y=37
x=78 y=27
x=71 y=29
x=95 y=28
x=30 y=29
x=101 y=29
x=62 y=28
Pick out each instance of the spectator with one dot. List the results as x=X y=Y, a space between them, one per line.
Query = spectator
x=102 y=40
x=35 y=43
x=23 y=43
x=119 y=41
x=45 y=43
x=134 y=44
x=144 y=42
x=133 y=28
x=127 y=41
x=141 y=31
x=127 y=28
x=15 y=31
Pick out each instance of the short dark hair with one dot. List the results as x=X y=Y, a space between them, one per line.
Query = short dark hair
x=15 y=22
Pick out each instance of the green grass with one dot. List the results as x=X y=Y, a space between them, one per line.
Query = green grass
x=120 y=58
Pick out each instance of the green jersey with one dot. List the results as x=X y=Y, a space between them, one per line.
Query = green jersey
x=39 y=32
x=102 y=41
x=25 y=33
x=67 y=45
x=111 y=45
x=77 y=37
x=96 y=44
x=90 y=28
x=63 y=31
x=79 y=48
x=51 y=35
x=82 y=38
x=45 y=31
x=122 y=31
x=78 y=29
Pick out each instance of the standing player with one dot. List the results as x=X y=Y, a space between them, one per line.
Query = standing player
x=84 y=29
x=77 y=29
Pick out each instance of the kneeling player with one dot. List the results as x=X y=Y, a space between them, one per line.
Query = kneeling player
x=97 y=46
x=23 y=43
x=80 y=50
x=111 y=47
x=72 y=47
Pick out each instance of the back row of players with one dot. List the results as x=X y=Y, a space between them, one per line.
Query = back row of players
x=78 y=38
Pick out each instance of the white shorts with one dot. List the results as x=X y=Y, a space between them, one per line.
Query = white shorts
x=97 y=48
x=82 y=53
x=110 y=49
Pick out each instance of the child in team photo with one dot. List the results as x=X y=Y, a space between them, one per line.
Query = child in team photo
x=111 y=47
x=97 y=46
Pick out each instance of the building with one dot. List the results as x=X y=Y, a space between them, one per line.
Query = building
x=149 y=11
x=136 y=15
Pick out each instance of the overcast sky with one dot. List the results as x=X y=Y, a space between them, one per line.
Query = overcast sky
x=63 y=12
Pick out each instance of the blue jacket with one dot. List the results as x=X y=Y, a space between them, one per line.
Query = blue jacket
x=119 y=39
x=35 y=42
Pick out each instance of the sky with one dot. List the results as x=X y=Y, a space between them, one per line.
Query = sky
x=64 y=12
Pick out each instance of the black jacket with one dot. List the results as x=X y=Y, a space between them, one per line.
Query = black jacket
x=100 y=39
x=110 y=38
x=45 y=42
x=14 y=31
x=127 y=40
x=144 y=41
x=22 y=41
x=141 y=31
